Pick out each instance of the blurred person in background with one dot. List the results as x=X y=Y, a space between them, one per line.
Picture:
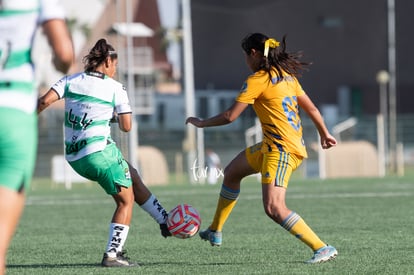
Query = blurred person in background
x=213 y=163
x=94 y=100
x=276 y=95
x=19 y=20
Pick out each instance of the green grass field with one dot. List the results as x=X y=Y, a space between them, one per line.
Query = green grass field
x=369 y=221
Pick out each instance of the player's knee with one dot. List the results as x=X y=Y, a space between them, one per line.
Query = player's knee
x=232 y=176
x=269 y=210
x=272 y=212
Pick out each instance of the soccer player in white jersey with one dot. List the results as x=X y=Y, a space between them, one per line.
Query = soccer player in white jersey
x=19 y=20
x=92 y=98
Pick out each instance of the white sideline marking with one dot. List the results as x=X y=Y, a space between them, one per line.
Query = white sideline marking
x=67 y=201
x=165 y=197
x=341 y=195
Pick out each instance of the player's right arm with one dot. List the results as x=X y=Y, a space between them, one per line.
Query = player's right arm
x=223 y=118
x=44 y=101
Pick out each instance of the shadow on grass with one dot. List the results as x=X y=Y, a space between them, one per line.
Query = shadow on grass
x=148 y=264
x=50 y=265
x=166 y=263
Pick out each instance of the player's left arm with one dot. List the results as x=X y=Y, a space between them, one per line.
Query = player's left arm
x=327 y=140
x=223 y=118
x=125 y=122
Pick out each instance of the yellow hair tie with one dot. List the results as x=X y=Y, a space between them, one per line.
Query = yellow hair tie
x=270 y=43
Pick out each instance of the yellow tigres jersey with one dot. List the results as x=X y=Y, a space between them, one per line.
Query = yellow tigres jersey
x=275 y=103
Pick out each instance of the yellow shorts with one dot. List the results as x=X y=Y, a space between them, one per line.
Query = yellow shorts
x=276 y=167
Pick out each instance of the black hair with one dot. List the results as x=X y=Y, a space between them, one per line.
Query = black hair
x=98 y=54
x=278 y=59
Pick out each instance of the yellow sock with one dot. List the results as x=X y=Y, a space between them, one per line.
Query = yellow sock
x=226 y=202
x=298 y=228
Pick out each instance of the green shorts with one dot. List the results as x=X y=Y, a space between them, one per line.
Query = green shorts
x=18 y=147
x=107 y=167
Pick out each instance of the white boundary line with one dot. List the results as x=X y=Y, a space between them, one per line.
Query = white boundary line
x=80 y=200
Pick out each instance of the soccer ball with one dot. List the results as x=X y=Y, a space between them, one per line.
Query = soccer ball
x=183 y=221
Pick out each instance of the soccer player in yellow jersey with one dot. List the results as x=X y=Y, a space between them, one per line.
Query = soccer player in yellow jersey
x=276 y=95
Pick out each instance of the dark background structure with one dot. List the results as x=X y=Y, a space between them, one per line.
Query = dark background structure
x=345 y=40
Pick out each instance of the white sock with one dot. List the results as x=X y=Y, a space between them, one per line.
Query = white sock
x=155 y=209
x=118 y=234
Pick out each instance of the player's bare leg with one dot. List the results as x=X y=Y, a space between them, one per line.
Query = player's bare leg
x=118 y=230
x=275 y=207
x=11 y=205
x=124 y=205
x=235 y=171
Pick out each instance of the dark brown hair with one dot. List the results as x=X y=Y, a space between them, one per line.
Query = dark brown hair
x=278 y=59
x=98 y=54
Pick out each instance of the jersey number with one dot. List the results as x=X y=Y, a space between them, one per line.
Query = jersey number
x=75 y=120
x=5 y=49
x=290 y=107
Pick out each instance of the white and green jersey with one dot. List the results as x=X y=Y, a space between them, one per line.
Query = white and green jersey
x=18 y=23
x=91 y=98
